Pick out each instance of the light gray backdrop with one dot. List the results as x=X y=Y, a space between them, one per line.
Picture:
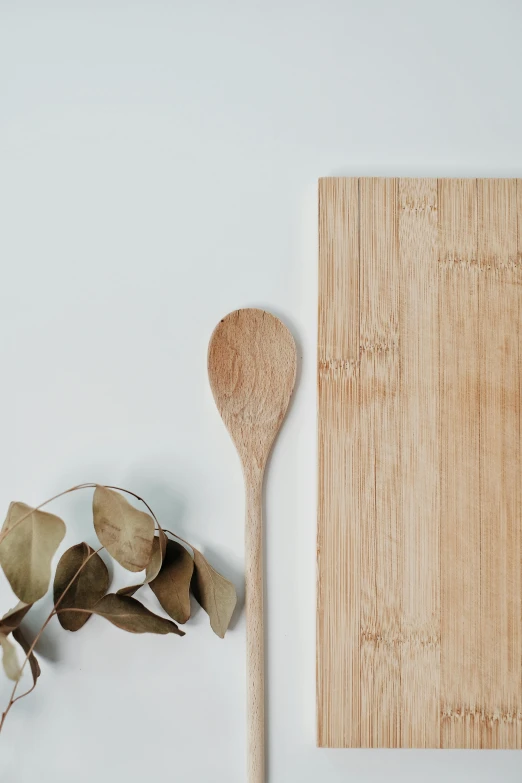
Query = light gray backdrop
x=158 y=165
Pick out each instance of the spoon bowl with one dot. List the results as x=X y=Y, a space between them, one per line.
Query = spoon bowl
x=252 y=366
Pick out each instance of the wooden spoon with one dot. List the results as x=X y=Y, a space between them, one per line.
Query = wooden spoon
x=251 y=367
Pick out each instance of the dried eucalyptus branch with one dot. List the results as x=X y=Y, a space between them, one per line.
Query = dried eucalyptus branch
x=133 y=538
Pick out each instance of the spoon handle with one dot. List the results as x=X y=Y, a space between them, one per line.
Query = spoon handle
x=254 y=629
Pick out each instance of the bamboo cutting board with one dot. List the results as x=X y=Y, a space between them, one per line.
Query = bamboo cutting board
x=419 y=639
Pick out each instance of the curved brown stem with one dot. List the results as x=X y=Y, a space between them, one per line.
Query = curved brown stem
x=5 y=533
x=12 y=698
x=178 y=537
x=87 y=485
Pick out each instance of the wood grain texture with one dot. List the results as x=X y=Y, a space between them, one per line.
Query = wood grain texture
x=500 y=284
x=460 y=463
x=338 y=659
x=419 y=632
x=252 y=365
x=380 y=555
x=418 y=446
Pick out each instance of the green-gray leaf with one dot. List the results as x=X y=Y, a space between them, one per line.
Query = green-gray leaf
x=10 y=658
x=33 y=662
x=172 y=585
x=127 y=613
x=90 y=585
x=126 y=533
x=27 y=550
x=159 y=547
x=216 y=594
x=12 y=619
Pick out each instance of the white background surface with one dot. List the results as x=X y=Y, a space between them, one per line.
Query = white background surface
x=158 y=167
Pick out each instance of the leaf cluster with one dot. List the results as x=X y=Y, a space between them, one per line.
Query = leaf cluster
x=173 y=570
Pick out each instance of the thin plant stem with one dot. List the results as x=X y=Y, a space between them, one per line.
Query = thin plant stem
x=87 y=485
x=120 y=489
x=5 y=533
x=178 y=537
x=12 y=699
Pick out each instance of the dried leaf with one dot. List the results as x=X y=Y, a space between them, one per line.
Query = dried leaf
x=10 y=623
x=126 y=533
x=214 y=593
x=26 y=553
x=12 y=619
x=90 y=585
x=130 y=590
x=10 y=658
x=159 y=547
x=33 y=662
x=127 y=613
x=171 y=586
